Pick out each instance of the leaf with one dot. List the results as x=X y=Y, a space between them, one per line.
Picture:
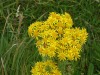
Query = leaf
x=90 y=69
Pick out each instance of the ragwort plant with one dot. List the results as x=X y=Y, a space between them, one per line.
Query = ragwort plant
x=57 y=42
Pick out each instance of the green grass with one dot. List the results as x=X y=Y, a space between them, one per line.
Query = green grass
x=17 y=50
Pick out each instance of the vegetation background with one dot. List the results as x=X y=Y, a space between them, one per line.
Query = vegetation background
x=17 y=50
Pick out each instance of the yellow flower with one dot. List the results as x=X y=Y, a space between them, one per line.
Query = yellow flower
x=33 y=29
x=47 y=47
x=56 y=72
x=60 y=30
x=60 y=24
x=84 y=36
x=30 y=30
x=62 y=56
x=54 y=34
x=70 y=55
x=56 y=37
x=45 y=68
x=73 y=54
x=35 y=33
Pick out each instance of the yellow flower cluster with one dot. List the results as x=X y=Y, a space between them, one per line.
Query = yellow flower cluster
x=56 y=38
x=45 y=68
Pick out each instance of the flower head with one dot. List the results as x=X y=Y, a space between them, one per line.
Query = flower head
x=56 y=37
x=45 y=68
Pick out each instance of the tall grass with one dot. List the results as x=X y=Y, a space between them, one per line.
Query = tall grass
x=18 y=51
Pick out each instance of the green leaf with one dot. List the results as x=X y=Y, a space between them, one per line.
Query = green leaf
x=90 y=69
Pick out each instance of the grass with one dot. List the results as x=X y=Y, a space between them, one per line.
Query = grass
x=17 y=50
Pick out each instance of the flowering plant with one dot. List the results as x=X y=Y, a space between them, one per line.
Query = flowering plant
x=56 y=39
